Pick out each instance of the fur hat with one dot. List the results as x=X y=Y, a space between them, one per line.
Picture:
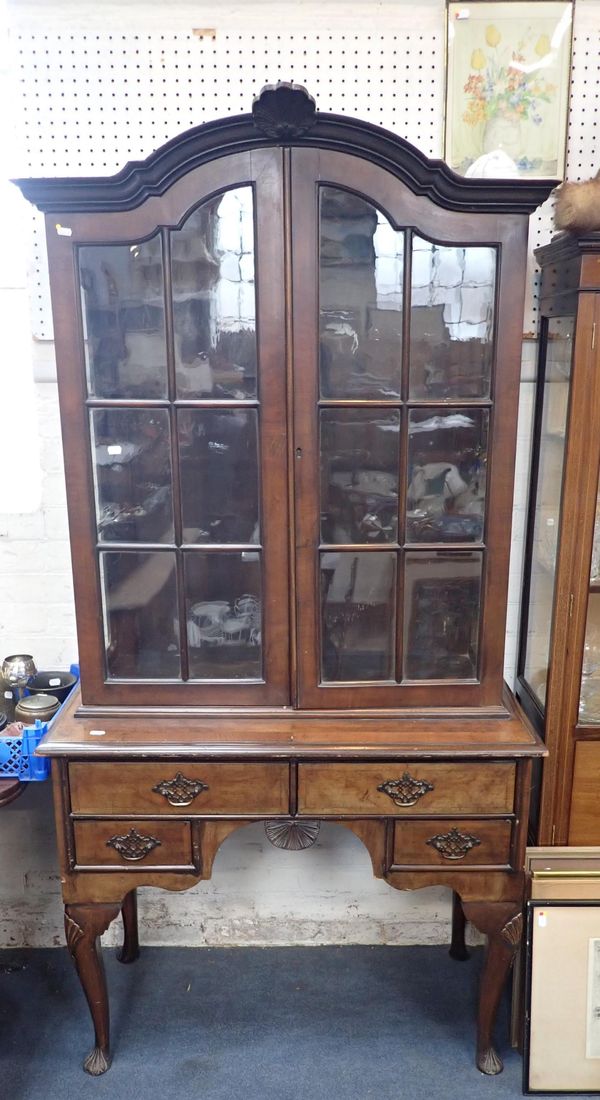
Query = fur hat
x=578 y=206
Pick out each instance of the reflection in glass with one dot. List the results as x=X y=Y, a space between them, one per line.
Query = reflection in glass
x=219 y=474
x=447 y=454
x=124 y=319
x=224 y=617
x=358 y=619
x=360 y=289
x=548 y=493
x=441 y=615
x=139 y=600
x=451 y=320
x=212 y=265
x=359 y=475
x=132 y=474
x=589 y=702
x=595 y=566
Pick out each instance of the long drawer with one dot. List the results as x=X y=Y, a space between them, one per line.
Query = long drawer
x=176 y=788
x=395 y=789
x=135 y=844
x=452 y=843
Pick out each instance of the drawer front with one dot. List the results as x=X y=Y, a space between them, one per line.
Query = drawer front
x=406 y=788
x=176 y=788
x=136 y=844
x=448 y=842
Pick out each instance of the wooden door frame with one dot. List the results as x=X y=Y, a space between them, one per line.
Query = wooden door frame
x=262 y=170
x=579 y=495
x=314 y=168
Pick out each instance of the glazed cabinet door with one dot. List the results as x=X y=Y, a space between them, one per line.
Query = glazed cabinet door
x=172 y=391
x=407 y=330
x=559 y=683
x=549 y=448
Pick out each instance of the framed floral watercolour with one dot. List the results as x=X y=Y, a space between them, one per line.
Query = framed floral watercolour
x=507 y=88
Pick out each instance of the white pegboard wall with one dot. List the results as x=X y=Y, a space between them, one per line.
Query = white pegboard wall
x=583 y=154
x=91 y=101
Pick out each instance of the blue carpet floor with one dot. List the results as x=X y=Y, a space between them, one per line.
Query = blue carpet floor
x=324 y=1023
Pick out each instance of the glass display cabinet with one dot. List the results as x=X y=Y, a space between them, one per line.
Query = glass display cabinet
x=559 y=663
x=289 y=351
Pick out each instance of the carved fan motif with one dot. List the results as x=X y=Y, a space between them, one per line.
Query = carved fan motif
x=284 y=110
x=294 y=836
x=407 y=790
x=133 y=845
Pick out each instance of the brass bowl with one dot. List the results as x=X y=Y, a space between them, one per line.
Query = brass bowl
x=31 y=707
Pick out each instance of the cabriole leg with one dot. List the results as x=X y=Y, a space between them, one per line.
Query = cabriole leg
x=458 y=947
x=84 y=924
x=131 y=947
x=502 y=923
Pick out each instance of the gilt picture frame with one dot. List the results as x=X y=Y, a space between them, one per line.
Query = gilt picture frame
x=507 y=88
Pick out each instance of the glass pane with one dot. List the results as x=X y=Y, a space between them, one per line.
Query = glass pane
x=132 y=474
x=548 y=491
x=451 y=320
x=359 y=475
x=358 y=615
x=441 y=615
x=360 y=289
x=595 y=569
x=224 y=620
x=589 y=703
x=139 y=598
x=212 y=265
x=447 y=455
x=124 y=319
x=218 y=452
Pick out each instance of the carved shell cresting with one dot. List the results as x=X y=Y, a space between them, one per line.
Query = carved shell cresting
x=284 y=111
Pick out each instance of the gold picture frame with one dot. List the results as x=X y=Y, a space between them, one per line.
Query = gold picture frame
x=507 y=87
x=562 y=1021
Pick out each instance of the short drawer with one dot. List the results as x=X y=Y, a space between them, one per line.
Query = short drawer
x=406 y=788
x=175 y=788
x=448 y=842
x=133 y=844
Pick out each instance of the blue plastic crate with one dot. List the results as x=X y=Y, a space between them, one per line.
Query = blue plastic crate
x=17 y=754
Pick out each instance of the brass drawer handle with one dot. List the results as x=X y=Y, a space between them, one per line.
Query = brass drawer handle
x=180 y=791
x=407 y=790
x=133 y=846
x=453 y=845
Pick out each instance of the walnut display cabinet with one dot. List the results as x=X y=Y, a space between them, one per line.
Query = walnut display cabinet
x=559 y=662
x=289 y=351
